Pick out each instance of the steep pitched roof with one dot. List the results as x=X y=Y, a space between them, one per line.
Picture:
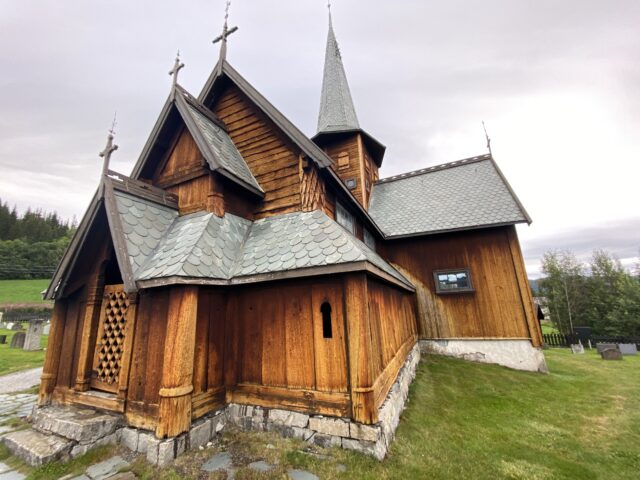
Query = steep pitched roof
x=462 y=195
x=337 y=112
x=223 y=70
x=207 y=131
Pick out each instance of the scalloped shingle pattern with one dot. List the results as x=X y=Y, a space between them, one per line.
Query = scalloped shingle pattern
x=466 y=196
x=303 y=240
x=202 y=245
x=223 y=148
x=198 y=245
x=144 y=223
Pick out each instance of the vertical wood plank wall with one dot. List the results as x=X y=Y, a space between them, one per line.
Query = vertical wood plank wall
x=496 y=308
x=147 y=358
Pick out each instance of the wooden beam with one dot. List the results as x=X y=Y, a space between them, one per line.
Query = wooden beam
x=95 y=293
x=359 y=349
x=176 y=385
x=54 y=348
x=525 y=289
x=130 y=329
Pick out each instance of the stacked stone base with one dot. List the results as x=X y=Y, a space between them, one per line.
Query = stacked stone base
x=67 y=432
x=331 y=431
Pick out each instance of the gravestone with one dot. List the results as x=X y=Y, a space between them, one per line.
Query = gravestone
x=628 y=348
x=18 y=340
x=3 y=339
x=604 y=346
x=34 y=332
x=16 y=326
x=611 y=354
x=577 y=348
x=47 y=329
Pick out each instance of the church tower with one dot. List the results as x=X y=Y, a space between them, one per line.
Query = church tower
x=357 y=156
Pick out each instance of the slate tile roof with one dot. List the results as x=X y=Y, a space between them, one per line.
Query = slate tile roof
x=161 y=244
x=222 y=147
x=466 y=194
x=144 y=223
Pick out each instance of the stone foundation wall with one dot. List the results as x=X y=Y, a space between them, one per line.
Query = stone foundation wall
x=516 y=354
x=80 y=429
x=332 y=431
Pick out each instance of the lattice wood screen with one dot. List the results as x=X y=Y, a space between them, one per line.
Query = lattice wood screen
x=111 y=335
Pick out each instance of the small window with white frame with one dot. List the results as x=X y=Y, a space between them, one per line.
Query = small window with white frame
x=453 y=281
x=344 y=218
x=369 y=239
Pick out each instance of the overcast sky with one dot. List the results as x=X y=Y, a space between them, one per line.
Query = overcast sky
x=556 y=81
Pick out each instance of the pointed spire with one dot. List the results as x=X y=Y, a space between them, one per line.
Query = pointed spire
x=336 y=105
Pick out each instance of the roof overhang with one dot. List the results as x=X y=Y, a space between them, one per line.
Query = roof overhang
x=374 y=147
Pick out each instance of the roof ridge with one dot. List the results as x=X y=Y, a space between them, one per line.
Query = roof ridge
x=194 y=102
x=435 y=168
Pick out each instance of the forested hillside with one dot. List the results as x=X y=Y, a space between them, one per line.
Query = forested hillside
x=31 y=244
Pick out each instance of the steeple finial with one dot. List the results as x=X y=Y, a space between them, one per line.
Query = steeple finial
x=226 y=31
x=337 y=112
x=488 y=138
x=110 y=148
x=177 y=66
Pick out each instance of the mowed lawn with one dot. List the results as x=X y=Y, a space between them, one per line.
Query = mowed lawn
x=15 y=359
x=23 y=291
x=466 y=421
x=472 y=421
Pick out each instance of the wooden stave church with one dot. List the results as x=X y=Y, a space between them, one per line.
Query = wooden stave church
x=229 y=164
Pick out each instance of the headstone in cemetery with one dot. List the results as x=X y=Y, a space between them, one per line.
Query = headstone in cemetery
x=47 y=329
x=18 y=340
x=3 y=339
x=34 y=332
x=577 y=348
x=611 y=354
x=583 y=334
x=628 y=348
x=16 y=326
x=9 y=325
x=604 y=346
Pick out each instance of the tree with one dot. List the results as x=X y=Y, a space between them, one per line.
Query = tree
x=563 y=287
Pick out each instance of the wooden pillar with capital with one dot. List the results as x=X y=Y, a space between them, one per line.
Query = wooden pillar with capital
x=176 y=385
x=363 y=408
x=54 y=348
x=95 y=292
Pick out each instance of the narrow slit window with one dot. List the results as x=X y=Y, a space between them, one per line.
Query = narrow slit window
x=325 y=309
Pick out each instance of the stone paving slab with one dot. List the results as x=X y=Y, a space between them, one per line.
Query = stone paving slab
x=220 y=461
x=36 y=448
x=301 y=475
x=16 y=382
x=106 y=469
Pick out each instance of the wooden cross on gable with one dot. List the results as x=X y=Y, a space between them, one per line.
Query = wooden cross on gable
x=109 y=149
x=177 y=66
x=226 y=31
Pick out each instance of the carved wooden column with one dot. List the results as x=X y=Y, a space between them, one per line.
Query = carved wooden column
x=54 y=347
x=95 y=292
x=176 y=385
x=130 y=329
x=359 y=344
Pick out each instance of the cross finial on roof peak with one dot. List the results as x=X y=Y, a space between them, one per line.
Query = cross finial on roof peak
x=109 y=148
x=226 y=31
x=177 y=66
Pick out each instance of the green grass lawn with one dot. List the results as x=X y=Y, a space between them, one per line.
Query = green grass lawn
x=548 y=327
x=473 y=421
x=23 y=291
x=14 y=359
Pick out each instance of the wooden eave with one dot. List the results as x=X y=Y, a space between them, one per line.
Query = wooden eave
x=176 y=100
x=284 y=275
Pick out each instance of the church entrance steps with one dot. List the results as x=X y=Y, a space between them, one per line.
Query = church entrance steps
x=37 y=448
x=83 y=425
